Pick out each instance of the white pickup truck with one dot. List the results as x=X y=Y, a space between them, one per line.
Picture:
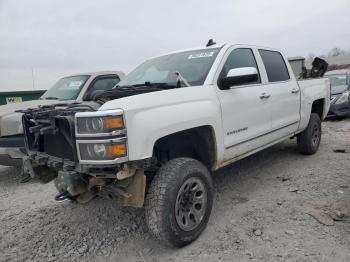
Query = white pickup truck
x=69 y=89
x=158 y=135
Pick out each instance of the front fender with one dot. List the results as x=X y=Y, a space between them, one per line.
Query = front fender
x=145 y=127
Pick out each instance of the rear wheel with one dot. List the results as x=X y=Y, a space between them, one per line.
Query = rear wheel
x=179 y=201
x=309 y=140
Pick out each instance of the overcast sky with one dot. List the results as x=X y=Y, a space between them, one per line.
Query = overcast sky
x=62 y=37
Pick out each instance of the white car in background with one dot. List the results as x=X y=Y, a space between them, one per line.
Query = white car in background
x=69 y=89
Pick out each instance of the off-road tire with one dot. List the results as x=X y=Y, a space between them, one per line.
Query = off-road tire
x=162 y=198
x=309 y=140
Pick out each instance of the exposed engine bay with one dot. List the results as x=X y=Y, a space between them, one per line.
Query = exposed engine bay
x=84 y=151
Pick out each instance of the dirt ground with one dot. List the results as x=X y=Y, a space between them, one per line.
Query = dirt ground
x=276 y=205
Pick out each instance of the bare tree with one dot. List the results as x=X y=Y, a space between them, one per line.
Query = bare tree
x=336 y=51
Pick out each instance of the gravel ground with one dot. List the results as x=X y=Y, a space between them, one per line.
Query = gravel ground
x=276 y=205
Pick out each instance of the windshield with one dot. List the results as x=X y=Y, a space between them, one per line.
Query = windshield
x=192 y=65
x=338 y=83
x=66 y=88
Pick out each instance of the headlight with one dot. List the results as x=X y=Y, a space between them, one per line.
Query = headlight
x=102 y=151
x=344 y=98
x=101 y=137
x=102 y=124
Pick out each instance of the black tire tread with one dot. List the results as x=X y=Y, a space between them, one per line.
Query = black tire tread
x=303 y=139
x=155 y=204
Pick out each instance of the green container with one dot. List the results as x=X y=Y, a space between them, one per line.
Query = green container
x=19 y=96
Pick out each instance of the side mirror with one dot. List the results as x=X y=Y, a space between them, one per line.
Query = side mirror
x=239 y=76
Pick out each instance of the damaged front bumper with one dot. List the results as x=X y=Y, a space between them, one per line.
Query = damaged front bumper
x=85 y=152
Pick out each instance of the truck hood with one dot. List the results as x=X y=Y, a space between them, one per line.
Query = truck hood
x=11 y=122
x=169 y=97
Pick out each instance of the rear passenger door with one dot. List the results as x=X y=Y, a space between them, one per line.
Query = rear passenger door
x=284 y=94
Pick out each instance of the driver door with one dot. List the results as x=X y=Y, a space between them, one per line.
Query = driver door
x=246 y=114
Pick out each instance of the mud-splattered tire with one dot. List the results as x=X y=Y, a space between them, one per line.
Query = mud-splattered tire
x=309 y=140
x=179 y=201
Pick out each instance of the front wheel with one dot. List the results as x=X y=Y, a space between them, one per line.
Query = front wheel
x=309 y=140
x=179 y=201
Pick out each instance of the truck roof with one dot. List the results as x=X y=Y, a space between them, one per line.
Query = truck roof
x=220 y=45
x=94 y=74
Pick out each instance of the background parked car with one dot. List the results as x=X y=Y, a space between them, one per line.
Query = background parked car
x=340 y=92
x=75 y=88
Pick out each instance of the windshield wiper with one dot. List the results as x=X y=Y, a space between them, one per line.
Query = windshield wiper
x=180 y=80
x=124 y=87
x=148 y=85
x=51 y=98
x=157 y=85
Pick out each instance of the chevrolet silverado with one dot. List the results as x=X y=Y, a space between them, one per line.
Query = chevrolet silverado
x=155 y=138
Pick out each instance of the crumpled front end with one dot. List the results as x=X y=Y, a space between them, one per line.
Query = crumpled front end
x=84 y=151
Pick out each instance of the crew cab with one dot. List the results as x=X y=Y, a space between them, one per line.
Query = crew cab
x=155 y=139
x=67 y=90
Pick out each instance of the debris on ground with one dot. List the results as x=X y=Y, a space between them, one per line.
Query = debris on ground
x=283 y=178
x=340 y=151
x=337 y=215
x=142 y=256
x=257 y=232
x=293 y=189
x=320 y=216
x=290 y=232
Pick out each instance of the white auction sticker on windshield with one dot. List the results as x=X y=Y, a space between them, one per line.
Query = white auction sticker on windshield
x=75 y=83
x=201 y=55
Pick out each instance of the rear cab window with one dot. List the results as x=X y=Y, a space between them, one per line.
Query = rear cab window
x=275 y=66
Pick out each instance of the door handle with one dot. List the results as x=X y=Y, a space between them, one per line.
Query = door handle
x=264 y=96
x=295 y=91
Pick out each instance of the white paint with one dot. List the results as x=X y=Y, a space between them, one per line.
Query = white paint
x=242 y=71
x=242 y=122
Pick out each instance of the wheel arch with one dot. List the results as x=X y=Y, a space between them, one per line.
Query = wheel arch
x=198 y=143
x=318 y=107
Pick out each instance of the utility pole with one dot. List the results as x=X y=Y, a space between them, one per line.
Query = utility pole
x=33 y=83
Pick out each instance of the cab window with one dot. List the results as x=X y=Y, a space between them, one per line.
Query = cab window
x=104 y=83
x=240 y=57
x=275 y=66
